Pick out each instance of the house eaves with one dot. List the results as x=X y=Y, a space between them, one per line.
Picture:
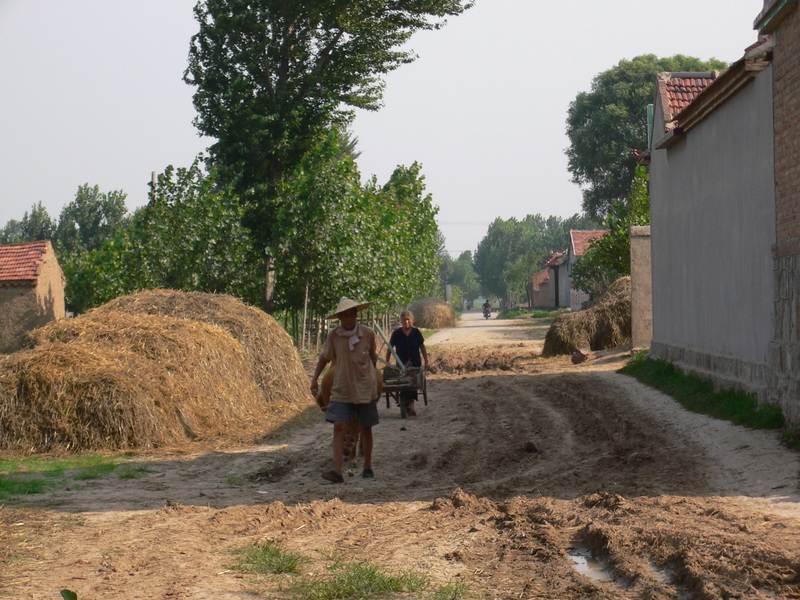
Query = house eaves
x=773 y=13
x=757 y=57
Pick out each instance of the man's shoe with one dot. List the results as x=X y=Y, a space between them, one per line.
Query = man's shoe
x=333 y=476
x=367 y=473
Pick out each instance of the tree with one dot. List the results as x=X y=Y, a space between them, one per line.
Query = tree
x=35 y=225
x=605 y=124
x=609 y=258
x=272 y=76
x=514 y=250
x=90 y=219
x=342 y=238
x=464 y=276
x=188 y=237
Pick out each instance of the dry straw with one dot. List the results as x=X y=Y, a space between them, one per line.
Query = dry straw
x=433 y=313
x=155 y=369
x=604 y=326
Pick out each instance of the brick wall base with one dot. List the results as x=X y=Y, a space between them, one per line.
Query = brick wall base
x=784 y=350
x=724 y=371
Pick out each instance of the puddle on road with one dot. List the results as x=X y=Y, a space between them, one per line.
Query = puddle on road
x=586 y=565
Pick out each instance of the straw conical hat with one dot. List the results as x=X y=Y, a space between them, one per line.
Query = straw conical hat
x=346 y=304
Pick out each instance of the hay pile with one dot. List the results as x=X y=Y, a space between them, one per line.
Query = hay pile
x=130 y=376
x=433 y=313
x=606 y=325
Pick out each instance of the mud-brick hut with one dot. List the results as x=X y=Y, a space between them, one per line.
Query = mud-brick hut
x=31 y=291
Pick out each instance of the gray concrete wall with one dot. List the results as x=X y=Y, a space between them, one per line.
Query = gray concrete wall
x=562 y=291
x=641 y=288
x=713 y=225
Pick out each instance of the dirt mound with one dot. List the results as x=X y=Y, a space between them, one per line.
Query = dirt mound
x=112 y=380
x=433 y=313
x=498 y=357
x=606 y=325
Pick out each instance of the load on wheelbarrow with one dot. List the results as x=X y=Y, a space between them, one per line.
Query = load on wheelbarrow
x=397 y=380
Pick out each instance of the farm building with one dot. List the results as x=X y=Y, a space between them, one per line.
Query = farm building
x=725 y=228
x=31 y=291
x=561 y=263
x=542 y=290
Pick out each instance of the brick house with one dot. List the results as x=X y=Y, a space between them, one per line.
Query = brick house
x=31 y=291
x=781 y=20
x=725 y=217
x=562 y=262
x=542 y=290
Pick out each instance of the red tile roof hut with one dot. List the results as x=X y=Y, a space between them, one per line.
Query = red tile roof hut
x=31 y=291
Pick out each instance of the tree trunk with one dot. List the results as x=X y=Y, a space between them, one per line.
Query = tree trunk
x=268 y=299
x=305 y=322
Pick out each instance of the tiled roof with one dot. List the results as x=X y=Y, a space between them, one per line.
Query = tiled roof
x=679 y=89
x=581 y=240
x=688 y=98
x=21 y=262
x=555 y=259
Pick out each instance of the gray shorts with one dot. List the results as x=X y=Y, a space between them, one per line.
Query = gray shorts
x=342 y=411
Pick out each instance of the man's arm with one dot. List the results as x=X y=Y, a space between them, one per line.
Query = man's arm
x=317 y=372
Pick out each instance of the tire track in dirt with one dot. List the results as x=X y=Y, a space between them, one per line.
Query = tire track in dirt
x=568 y=435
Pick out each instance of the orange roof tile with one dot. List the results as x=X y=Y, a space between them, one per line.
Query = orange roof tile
x=21 y=262
x=679 y=89
x=581 y=240
x=555 y=259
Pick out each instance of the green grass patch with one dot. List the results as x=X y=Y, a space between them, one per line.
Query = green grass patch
x=343 y=579
x=698 y=395
x=792 y=439
x=268 y=558
x=426 y=333
x=357 y=580
x=36 y=474
x=530 y=313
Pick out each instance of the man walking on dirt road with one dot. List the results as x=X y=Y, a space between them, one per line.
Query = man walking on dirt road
x=351 y=348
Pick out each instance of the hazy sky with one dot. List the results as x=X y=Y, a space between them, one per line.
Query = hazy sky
x=92 y=93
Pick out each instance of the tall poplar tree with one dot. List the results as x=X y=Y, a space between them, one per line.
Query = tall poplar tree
x=273 y=75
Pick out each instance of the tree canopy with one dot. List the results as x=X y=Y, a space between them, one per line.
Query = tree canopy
x=272 y=76
x=606 y=123
x=513 y=250
x=91 y=218
x=35 y=225
x=609 y=258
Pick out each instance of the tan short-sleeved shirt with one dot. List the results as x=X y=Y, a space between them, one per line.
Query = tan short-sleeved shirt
x=355 y=380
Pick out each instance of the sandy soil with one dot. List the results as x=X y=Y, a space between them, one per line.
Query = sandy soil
x=523 y=477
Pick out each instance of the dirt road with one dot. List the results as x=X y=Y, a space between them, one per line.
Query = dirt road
x=523 y=477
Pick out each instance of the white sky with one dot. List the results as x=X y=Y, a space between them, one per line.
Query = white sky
x=91 y=92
